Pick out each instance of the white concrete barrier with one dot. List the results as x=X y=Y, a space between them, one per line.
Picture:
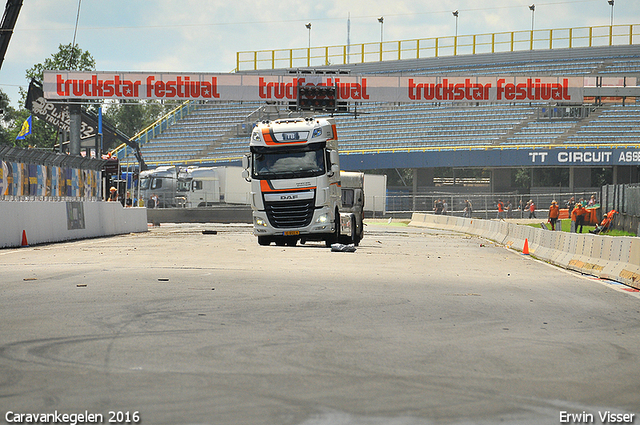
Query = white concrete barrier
x=45 y=222
x=615 y=258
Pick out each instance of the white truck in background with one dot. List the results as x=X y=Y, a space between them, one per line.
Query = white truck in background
x=353 y=200
x=193 y=187
x=295 y=178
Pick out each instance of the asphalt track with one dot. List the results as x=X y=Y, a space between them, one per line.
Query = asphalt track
x=418 y=326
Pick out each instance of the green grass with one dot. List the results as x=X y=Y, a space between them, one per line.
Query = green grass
x=566 y=227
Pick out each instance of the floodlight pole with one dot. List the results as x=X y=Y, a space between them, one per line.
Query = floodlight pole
x=381 y=20
x=455 y=38
x=308 y=26
x=532 y=8
x=611 y=3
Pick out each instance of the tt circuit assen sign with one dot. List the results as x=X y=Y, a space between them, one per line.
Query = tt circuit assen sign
x=571 y=157
x=603 y=157
x=350 y=88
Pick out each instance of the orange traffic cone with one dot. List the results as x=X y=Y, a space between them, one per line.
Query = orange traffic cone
x=525 y=250
x=24 y=238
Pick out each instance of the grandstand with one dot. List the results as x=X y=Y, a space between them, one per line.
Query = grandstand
x=383 y=135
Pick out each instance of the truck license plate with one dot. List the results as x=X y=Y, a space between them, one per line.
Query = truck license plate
x=291 y=233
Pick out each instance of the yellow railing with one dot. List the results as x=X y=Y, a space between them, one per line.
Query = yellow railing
x=542 y=39
x=154 y=129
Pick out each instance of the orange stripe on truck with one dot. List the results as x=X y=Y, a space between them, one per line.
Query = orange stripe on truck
x=265 y=187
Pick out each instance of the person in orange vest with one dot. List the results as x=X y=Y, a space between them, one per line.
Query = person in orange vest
x=500 y=210
x=577 y=216
x=605 y=223
x=532 y=209
x=554 y=213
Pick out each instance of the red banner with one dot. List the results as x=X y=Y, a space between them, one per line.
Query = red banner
x=351 y=88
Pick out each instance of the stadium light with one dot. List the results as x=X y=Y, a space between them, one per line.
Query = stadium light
x=455 y=13
x=532 y=8
x=308 y=26
x=381 y=20
x=611 y=3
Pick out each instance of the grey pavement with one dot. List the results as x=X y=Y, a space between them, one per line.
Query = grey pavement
x=418 y=326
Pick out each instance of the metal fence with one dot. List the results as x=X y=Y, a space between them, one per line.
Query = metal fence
x=510 y=41
x=624 y=198
x=483 y=205
x=39 y=175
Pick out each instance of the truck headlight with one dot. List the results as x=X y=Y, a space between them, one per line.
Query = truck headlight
x=260 y=222
x=316 y=132
x=323 y=218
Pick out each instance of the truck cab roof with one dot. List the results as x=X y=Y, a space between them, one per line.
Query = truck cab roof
x=293 y=131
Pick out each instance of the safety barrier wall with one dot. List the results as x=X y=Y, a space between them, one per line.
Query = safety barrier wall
x=608 y=257
x=45 y=222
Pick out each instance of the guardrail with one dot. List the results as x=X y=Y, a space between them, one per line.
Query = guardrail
x=510 y=41
x=608 y=257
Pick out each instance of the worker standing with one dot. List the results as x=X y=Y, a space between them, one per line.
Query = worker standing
x=577 y=216
x=500 y=210
x=554 y=213
x=532 y=209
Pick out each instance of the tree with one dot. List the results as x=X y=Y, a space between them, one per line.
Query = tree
x=7 y=118
x=42 y=135
x=522 y=179
x=132 y=116
x=67 y=58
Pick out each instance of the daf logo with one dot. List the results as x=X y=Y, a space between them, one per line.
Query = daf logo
x=285 y=197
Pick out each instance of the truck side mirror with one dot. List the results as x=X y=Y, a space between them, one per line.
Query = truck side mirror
x=246 y=165
x=333 y=155
x=335 y=164
x=335 y=168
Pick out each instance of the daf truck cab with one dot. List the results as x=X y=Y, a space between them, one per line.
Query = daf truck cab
x=294 y=171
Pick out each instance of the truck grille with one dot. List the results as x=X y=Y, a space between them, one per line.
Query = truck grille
x=289 y=214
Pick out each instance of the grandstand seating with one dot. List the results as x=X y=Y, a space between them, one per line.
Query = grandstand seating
x=208 y=127
x=218 y=131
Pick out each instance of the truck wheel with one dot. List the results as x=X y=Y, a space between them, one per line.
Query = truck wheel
x=335 y=236
x=264 y=241
x=354 y=231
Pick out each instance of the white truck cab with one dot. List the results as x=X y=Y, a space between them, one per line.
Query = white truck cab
x=295 y=181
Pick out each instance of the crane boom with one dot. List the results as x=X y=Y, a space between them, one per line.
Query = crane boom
x=9 y=19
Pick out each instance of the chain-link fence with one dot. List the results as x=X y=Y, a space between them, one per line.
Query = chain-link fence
x=482 y=205
x=624 y=198
x=35 y=174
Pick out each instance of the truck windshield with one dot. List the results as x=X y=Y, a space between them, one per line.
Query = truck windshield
x=183 y=185
x=282 y=165
x=145 y=182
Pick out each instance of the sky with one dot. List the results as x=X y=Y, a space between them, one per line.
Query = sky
x=204 y=35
